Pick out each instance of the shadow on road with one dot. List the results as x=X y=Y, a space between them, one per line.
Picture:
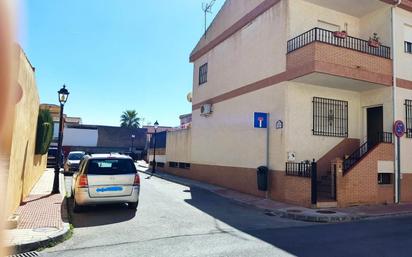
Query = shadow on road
x=100 y=215
x=362 y=238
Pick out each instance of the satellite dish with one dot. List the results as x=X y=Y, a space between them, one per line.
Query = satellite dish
x=189 y=97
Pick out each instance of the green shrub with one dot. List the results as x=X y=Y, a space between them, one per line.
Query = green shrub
x=44 y=132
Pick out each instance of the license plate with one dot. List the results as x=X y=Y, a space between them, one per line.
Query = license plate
x=109 y=189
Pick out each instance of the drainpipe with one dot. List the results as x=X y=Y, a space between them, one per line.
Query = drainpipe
x=394 y=95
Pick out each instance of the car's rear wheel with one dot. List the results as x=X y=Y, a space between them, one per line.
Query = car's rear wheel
x=76 y=208
x=133 y=206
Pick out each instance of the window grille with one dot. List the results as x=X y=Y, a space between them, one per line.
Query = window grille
x=330 y=117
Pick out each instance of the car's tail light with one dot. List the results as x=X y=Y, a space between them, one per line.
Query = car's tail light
x=83 y=181
x=136 y=180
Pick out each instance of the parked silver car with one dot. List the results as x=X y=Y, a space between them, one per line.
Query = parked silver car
x=104 y=179
x=73 y=161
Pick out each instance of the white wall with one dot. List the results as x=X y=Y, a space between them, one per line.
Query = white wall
x=80 y=137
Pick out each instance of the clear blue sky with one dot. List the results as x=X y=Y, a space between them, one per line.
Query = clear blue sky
x=114 y=55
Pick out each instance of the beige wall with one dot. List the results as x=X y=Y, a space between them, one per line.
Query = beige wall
x=231 y=12
x=228 y=138
x=404 y=60
x=406 y=143
x=25 y=167
x=255 y=52
x=299 y=119
x=379 y=22
x=302 y=18
x=178 y=146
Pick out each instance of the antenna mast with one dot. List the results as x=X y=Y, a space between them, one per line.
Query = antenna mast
x=207 y=8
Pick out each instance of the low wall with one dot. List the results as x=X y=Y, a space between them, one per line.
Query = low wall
x=289 y=189
x=360 y=184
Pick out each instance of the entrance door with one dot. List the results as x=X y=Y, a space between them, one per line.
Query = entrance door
x=374 y=125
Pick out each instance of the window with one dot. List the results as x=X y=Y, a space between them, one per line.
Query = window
x=408 y=47
x=203 y=74
x=160 y=164
x=173 y=164
x=408 y=107
x=184 y=165
x=328 y=25
x=330 y=117
x=110 y=167
x=384 y=178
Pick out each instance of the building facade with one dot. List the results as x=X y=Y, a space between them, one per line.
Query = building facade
x=333 y=76
x=17 y=148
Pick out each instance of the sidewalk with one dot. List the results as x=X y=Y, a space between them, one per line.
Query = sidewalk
x=43 y=217
x=331 y=215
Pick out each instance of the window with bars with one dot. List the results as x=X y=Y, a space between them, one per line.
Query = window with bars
x=330 y=117
x=203 y=74
x=408 y=107
x=408 y=47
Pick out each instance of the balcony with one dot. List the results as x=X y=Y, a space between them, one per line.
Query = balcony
x=319 y=57
x=328 y=37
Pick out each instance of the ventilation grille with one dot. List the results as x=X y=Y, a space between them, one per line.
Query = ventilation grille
x=28 y=254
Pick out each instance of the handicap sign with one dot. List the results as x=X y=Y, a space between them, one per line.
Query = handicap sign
x=399 y=128
x=261 y=120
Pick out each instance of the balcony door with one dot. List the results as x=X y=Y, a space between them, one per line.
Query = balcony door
x=374 y=124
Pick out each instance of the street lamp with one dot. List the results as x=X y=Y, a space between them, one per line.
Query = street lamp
x=63 y=95
x=133 y=137
x=156 y=125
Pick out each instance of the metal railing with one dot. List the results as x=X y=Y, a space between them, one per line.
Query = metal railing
x=299 y=169
x=363 y=150
x=328 y=37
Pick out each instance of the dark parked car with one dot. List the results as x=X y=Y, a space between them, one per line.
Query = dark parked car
x=52 y=158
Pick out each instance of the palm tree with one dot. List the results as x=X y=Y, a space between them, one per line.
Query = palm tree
x=129 y=119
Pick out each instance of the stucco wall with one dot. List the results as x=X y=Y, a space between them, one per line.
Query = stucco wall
x=80 y=137
x=25 y=168
x=404 y=60
x=255 y=52
x=406 y=143
x=228 y=138
x=301 y=18
x=179 y=145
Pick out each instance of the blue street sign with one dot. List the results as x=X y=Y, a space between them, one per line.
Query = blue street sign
x=261 y=120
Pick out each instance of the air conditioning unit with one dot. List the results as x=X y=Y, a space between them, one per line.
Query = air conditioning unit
x=206 y=110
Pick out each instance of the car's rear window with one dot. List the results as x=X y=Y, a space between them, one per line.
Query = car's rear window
x=75 y=156
x=110 y=167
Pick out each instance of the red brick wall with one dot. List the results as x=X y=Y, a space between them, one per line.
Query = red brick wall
x=342 y=62
x=283 y=188
x=360 y=185
x=406 y=188
x=346 y=146
x=290 y=189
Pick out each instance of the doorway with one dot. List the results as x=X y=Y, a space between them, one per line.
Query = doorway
x=374 y=125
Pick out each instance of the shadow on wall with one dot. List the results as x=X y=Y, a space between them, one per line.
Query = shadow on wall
x=23 y=172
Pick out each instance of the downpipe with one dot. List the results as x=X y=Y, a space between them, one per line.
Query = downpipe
x=394 y=96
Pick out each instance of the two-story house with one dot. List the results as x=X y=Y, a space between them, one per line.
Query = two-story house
x=336 y=75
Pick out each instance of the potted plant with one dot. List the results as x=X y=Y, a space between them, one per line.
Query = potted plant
x=374 y=41
x=340 y=34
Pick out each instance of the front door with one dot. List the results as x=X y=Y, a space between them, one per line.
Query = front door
x=374 y=125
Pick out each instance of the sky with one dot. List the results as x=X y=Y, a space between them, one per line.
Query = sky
x=114 y=55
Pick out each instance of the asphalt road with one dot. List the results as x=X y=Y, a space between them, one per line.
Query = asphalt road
x=175 y=220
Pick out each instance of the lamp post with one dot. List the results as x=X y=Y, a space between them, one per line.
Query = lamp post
x=156 y=125
x=63 y=95
x=132 y=137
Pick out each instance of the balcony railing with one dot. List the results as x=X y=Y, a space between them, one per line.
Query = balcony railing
x=328 y=37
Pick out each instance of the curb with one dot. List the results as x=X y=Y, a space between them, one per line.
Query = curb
x=46 y=241
x=303 y=215
x=39 y=243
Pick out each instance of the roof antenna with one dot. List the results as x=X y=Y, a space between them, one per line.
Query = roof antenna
x=207 y=8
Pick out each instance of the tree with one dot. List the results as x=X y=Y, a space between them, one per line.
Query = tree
x=129 y=119
x=44 y=132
